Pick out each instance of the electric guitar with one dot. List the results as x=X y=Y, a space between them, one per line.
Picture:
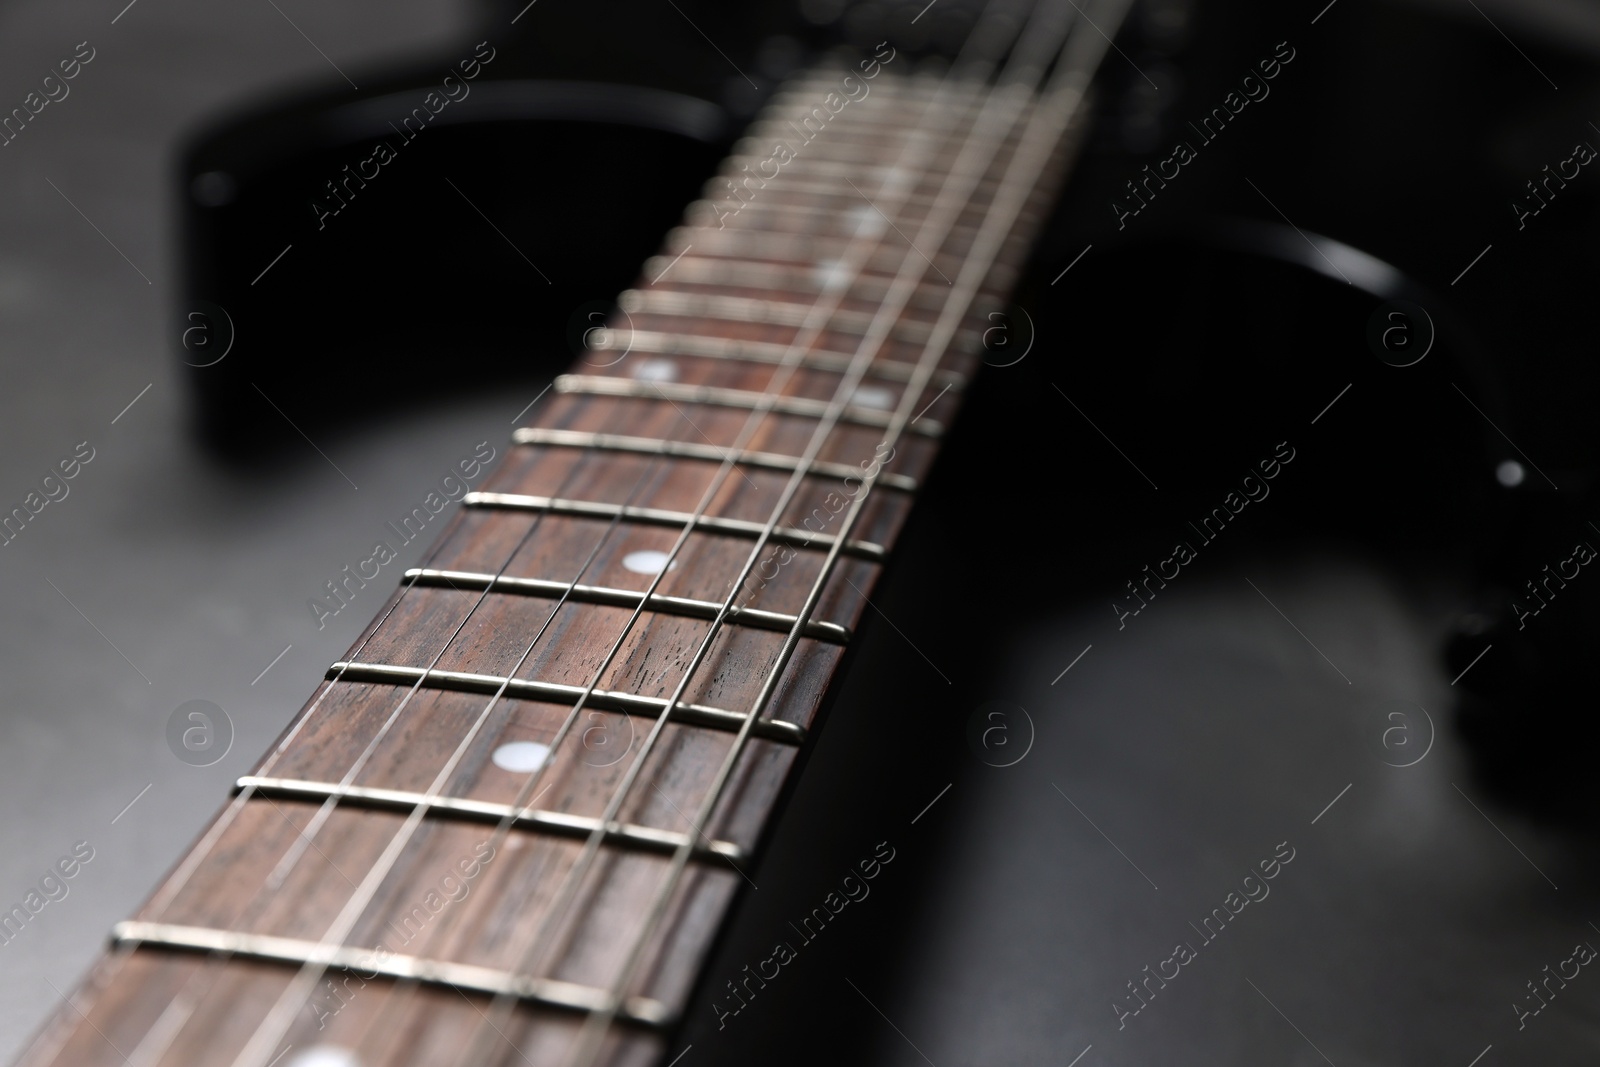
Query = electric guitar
x=508 y=826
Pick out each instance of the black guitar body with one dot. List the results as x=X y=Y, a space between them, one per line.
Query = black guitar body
x=482 y=205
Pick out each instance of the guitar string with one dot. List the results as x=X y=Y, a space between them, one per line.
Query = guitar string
x=260 y=1046
x=907 y=282
x=158 y=1038
x=1062 y=100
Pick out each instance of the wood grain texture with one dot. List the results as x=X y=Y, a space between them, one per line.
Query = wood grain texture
x=473 y=891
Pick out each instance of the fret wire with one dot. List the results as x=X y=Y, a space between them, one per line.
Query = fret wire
x=574 y=876
x=780 y=123
x=727 y=183
x=765 y=311
x=705 y=212
x=660 y=342
x=152 y=1047
x=683 y=607
x=860 y=150
x=862 y=154
x=649 y=446
x=727 y=272
x=782 y=284
x=555 y=692
x=797 y=171
x=930 y=300
x=631 y=388
x=784 y=247
x=280 y=1016
x=230 y=944
x=647 y=838
x=1064 y=90
x=805 y=92
x=692 y=522
x=807 y=215
x=746 y=309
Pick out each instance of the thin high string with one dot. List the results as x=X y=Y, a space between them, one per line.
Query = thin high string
x=1046 y=127
x=907 y=283
x=260 y=1046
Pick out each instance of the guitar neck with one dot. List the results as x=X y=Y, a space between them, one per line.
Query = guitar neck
x=507 y=826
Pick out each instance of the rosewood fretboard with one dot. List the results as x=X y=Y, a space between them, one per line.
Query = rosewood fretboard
x=506 y=827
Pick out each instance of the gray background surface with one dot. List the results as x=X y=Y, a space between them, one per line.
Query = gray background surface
x=200 y=577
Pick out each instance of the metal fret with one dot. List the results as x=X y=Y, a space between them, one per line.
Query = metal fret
x=645 y=838
x=557 y=693
x=801 y=248
x=687 y=344
x=652 y=446
x=707 y=212
x=831 y=632
x=469 y=978
x=600 y=385
x=794 y=174
x=842 y=139
x=867 y=220
x=749 y=309
x=588 y=509
x=787 y=123
x=796 y=100
x=720 y=271
x=772 y=253
x=803 y=252
x=792 y=181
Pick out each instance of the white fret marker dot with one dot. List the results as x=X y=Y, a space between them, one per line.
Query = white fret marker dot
x=656 y=370
x=872 y=396
x=521 y=756
x=829 y=275
x=868 y=223
x=647 y=561
x=1510 y=473
x=896 y=179
x=325 y=1056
